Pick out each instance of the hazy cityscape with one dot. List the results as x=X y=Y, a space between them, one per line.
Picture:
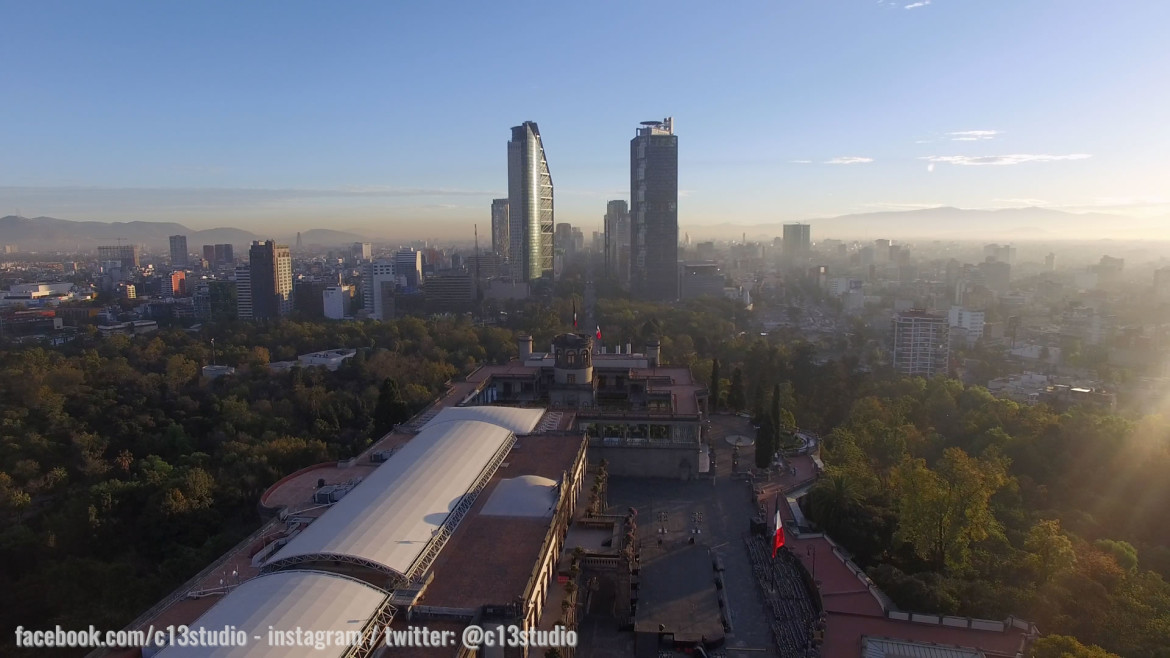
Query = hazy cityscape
x=517 y=375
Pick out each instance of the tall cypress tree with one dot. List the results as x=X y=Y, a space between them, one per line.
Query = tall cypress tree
x=735 y=394
x=777 y=426
x=715 y=383
x=765 y=443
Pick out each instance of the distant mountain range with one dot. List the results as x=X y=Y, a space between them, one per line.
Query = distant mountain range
x=1011 y=224
x=49 y=233
x=956 y=224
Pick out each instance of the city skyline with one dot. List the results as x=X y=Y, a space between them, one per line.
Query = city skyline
x=879 y=106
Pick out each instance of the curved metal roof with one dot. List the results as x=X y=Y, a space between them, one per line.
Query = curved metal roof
x=287 y=600
x=389 y=520
x=519 y=421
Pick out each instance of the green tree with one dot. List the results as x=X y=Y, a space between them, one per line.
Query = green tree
x=1050 y=551
x=941 y=512
x=765 y=446
x=715 y=383
x=391 y=409
x=1066 y=646
x=735 y=394
x=1122 y=552
x=832 y=497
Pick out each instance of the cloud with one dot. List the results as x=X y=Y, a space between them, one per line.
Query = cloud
x=1016 y=203
x=916 y=5
x=1014 y=159
x=888 y=205
x=930 y=168
x=848 y=160
x=800 y=161
x=972 y=135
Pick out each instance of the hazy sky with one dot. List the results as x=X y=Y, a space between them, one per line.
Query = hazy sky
x=367 y=115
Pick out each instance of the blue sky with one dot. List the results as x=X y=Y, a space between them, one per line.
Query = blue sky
x=392 y=117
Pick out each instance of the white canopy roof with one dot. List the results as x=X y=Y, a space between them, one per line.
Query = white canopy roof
x=527 y=495
x=287 y=600
x=519 y=421
x=389 y=519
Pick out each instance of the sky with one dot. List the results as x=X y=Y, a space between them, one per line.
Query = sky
x=392 y=117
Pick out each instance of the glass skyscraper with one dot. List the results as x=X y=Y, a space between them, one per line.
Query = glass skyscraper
x=654 y=212
x=530 y=206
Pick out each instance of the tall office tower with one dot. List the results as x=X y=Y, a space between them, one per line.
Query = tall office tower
x=272 y=283
x=363 y=251
x=530 y=205
x=654 y=212
x=797 y=240
x=922 y=343
x=1050 y=262
x=617 y=241
x=179 y=251
x=378 y=283
x=209 y=254
x=578 y=240
x=224 y=255
x=408 y=265
x=501 y=244
x=881 y=251
x=563 y=238
x=126 y=254
x=244 y=292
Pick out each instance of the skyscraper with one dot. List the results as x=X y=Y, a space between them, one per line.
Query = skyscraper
x=408 y=266
x=530 y=205
x=271 y=279
x=654 y=212
x=797 y=240
x=179 y=251
x=617 y=241
x=501 y=243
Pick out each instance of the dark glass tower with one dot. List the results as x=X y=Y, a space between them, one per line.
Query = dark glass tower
x=654 y=212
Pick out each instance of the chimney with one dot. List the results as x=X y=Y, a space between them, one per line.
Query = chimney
x=629 y=348
x=653 y=352
x=524 y=346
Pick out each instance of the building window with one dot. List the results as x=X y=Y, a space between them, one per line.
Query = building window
x=572 y=358
x=571 y=378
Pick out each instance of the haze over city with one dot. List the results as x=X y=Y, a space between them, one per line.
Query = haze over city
x=391 y=121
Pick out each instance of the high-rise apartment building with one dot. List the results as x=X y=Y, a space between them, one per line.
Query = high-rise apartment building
x=922 y=343
x=378 y=284
x=530 y=205
x=126 y=254
x=363 y=251
x=654 y=212
x=179 y=251
x=272 y=283
x=244 y=292
x=617 y=241
x=501 y=243
x=797 y=240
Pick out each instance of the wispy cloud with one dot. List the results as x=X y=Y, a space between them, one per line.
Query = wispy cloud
x=1017 y=203
x=848 y=160
x=916 y=5
x=893 y=205
x=1014 y=159
x=800 y=161
x=972 y=135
